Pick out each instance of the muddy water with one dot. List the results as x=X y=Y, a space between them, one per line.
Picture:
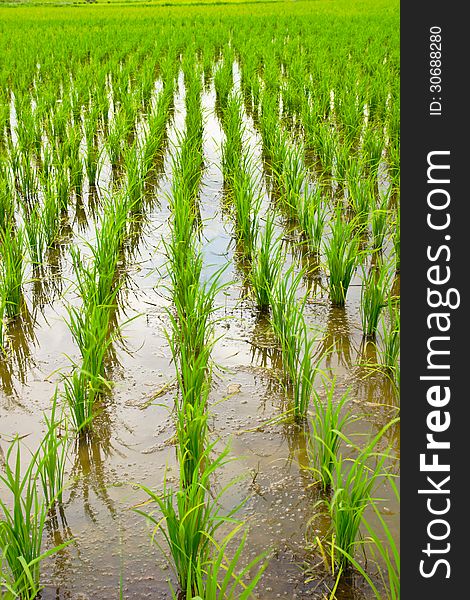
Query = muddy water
x=133 y=439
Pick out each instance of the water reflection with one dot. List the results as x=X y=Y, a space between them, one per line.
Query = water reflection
x=265 y=351
x=88 y=475
x=16 y=360
x=336 y=343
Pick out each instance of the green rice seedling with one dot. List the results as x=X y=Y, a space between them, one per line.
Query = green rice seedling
x=190 y=166
x=156 y=133
x=7 y=204
x=361 y=196
x=191 y=345
x=92 y=148
x=374 y=297
x=80 y=396
x=223 y=82
x=135 y=177
x=325 y=146
x=341 y=249
x=353 y=483
x=390 y=352
x=12 y=247
x=35 y=235
x=372 y=149
x=379 y=224
x=247 y=205
x=351 y=115
x=194 y=121
x=292 y=179
x=312 y=219
x=53 y=455
x=295 y=339
x=23 y=522
x=62 y=187
x=190 y=519
x=342 y=160
x=233 y=146
x=327 y=422
x=50 y=214
x=91 y=323
x=27 y=180
x=396 y=240
x=117 y=133
x=219 y=578
x=266 y=265
x=384 y=552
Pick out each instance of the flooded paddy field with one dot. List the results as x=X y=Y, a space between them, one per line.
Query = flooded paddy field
x=199 y=294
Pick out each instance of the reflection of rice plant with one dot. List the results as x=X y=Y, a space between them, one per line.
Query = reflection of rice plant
x=327 y=421
x=341 y=249
x=23 y=522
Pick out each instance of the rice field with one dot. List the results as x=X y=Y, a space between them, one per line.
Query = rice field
x=200 y=301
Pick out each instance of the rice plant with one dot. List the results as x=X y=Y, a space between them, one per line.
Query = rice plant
x=296 y=341
x=384 y=552
x=232 y=148
x=53 y=455
x=387 y=551
x=266 y=265
x=361 y=199
x=91 y=324
x=23 y=522
x=374 y=297
x=341 y=250
x=390 y=342
x=327 y=421
x=352 y=488
x=379 y=224
x=12 y=270
x=312 y=217
x=292 y=179
x=222 y=577
x=188 y=520
x=247 y=205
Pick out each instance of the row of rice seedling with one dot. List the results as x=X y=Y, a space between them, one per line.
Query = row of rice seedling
x=296 y=341
x=192 y=512
x=348 y=486
x=92 y=323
